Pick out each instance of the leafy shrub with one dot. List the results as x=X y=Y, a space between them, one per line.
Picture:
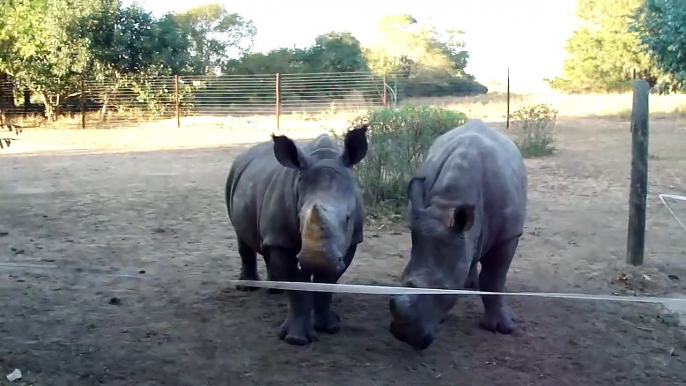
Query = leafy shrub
x=534 y=129
x=398 y=142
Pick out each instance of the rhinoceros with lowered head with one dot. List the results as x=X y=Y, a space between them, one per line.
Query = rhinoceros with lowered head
x=301 y=209
x=467 y=205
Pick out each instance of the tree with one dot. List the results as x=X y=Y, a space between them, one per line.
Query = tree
x=215 y=36
x=43 y=49
x=661 y=25
x=122 y=42
x=336 y=52
x=603 y=53
x=422 y=60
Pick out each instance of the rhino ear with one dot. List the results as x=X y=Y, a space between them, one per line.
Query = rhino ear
x=355 y=145
x=462 y=218
x=288 y=154
x=415 y=193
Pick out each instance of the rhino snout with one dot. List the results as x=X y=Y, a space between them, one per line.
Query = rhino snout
x=399 y=305
x=328 y=262
x=408 y=324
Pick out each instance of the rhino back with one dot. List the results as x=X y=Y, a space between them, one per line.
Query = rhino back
x=476 y=164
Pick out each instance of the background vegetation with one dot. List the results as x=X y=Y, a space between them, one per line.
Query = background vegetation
x=48 y=46
x=620 y=38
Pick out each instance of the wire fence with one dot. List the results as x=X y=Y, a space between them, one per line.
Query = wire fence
x=130 y=101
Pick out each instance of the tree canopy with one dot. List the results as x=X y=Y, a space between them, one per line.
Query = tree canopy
x=661 y=24
x=48 y=46
x=618 y=38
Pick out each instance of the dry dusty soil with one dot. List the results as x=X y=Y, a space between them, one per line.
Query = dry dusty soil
x=160 y=216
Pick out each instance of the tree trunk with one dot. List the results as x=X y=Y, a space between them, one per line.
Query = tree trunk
x=7 y=105
x=103 y=110
x=27 y=100
x=49 y=107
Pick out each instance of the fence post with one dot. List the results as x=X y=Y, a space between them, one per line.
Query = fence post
x=507 y=123
x=385 y=92
x=2 y=103
x=278 y=100
x=177 y=101
x=638 y=189
x=83 y=103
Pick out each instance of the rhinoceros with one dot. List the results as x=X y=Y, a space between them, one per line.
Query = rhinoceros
x=301 y=209
x=467 y=205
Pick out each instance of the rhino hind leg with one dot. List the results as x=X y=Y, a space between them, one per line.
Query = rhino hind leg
x=494 y=267
x=248 y=265
x=325 y=319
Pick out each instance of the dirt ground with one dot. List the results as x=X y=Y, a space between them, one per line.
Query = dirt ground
x=161 y=217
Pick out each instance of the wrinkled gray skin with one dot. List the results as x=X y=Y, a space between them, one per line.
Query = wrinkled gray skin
x=467 y=206
x=300 y=208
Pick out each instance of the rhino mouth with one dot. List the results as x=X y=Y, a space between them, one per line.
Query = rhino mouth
x=321 y=262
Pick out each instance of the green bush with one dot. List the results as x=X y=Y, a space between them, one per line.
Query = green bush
x=398 y=142
x=534 y=129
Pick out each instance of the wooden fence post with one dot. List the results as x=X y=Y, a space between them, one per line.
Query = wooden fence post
x=507 y=123
x=278 y=100
x=177 y=101
x=83 y=103
x=638 y=189
x=385 y=93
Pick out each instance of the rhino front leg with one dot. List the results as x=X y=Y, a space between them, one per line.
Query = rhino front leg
x=325 y=319
x=248 y=265
x=297 y=329
x=270 y=276
x=494 y=266
x=472 y=282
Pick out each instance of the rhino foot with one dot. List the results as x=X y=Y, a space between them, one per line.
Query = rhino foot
x=246 y=276
x=297 y=331
x=498 y=320
x=273 y=291
x=329 y=322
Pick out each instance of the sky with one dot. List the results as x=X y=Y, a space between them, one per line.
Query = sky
x=528 y=36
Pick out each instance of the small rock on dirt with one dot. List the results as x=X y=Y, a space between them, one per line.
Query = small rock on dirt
x=4 y=233
x=14 y=375
x=673 y=277
x=115 y=301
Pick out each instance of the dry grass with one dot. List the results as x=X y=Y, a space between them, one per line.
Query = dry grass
x=195 y=132
x=494 y=105
x=203 y=131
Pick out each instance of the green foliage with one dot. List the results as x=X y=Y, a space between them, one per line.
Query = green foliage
x=398 y=142
x=42 y=49
x=534 y=129
x=128 y=57
x=215 y=34
x=603 y=53
x=662 y=25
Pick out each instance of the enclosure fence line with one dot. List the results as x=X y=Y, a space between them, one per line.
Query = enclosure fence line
x=234 y=95
x=101 y=103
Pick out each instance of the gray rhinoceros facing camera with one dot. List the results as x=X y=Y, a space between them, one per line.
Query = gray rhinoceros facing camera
x=468 y=205
x=300 y=208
